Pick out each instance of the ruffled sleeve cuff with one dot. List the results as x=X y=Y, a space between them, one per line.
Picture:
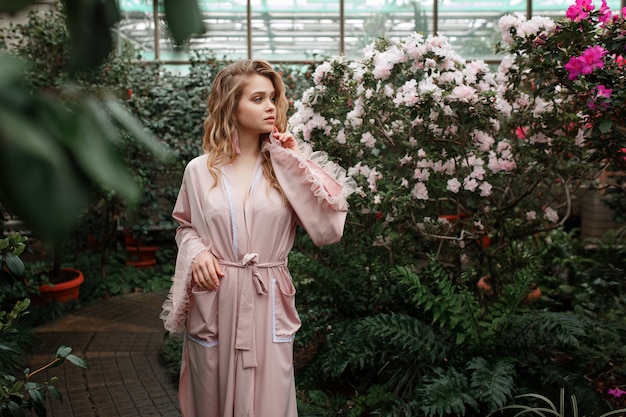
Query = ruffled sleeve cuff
x=327 y=180
x=175 y=308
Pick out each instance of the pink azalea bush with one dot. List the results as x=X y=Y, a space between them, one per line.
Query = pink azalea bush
x=574 y=68
x=426 y=135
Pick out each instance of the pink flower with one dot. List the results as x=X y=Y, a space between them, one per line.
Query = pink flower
x=592 y=59
x=520 y=132
x=550 y=214
x=420 y=192
x=616 y=392
x=454 y=185
x=574 y=67
x=600 y=99
x=604 y=92
x=579 y=11
x=485 y=189
x=368 y=139
x=605 y=13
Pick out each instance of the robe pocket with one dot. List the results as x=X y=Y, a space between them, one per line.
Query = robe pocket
x=285 y=318
x=202 y=321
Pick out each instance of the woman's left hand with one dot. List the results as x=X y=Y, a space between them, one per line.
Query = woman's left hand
x=286 y=140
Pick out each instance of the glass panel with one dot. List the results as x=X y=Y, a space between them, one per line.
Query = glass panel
x=287 y=30
x=368 y=20
x=137 y=26
x=298 y=30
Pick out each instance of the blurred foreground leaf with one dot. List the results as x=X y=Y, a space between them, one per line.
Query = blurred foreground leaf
x=12 y=6
x=183 y=19
x=53 y=152
x=90 y=23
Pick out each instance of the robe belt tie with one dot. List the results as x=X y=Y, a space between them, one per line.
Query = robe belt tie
x=245 y=335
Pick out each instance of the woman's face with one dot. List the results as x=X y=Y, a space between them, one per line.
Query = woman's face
x=256 y=110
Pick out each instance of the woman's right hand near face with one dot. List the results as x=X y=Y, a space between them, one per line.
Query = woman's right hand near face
x=206 y=271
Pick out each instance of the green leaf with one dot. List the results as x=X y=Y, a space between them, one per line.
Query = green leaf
x=75 y=360
x=15 y=408
x=90 y=23
x=55 y=393
x=605 y=125
x=15 y=265
x=43 y=192
x=63 y=351
x=142 y=135
x=12 y=6
x=36 y=395
x=183 y=19
x=95 y=151
x=8 y=349
x=27 y=134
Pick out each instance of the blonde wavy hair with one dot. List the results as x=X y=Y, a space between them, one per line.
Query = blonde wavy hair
x=222 y=102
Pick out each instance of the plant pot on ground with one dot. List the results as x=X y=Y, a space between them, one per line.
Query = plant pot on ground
x=61 y=286
x=140 y=254
x=56 y=283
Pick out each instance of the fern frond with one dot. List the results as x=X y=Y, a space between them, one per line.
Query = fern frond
x=494 y=382
x=397 y=346
x=446 y=393
x=548 y=329
x=403 y=333
x=450 y=305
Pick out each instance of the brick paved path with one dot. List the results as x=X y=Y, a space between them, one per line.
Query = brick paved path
x=119 y=338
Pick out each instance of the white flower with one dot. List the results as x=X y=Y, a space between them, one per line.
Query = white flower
x=469 y=184
x=550 y=214
x=485 y=189
x=463 y=93
x=454 y=185
x=321 y=71
x=368 y=140
x=420 y=192
x=406 y=159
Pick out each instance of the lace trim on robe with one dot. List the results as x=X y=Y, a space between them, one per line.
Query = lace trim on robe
x=332 y=191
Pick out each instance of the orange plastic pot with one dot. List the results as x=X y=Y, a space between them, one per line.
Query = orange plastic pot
x=63 y=291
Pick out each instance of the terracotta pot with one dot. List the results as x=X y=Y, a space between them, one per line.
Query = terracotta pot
x=141 y=256
x=534 y=294
x=484 y=283
x=63 y=291
x=452 y=217
x=484 y=242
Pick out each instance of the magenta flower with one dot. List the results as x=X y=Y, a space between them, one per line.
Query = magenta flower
x=601 y=95
x=604 y=92
x=574 y=67
x=605 y=13
x=580 y=10
x=616 y=392
x=592 y=59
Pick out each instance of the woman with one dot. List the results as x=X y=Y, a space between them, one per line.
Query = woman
x=238 y=208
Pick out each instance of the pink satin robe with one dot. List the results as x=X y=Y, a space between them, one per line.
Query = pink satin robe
x=238 y=351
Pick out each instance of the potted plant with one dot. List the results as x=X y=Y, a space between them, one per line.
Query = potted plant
x=18 y=394
x=57 y=283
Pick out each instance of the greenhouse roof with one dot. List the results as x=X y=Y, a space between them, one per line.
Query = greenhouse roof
x=299 y=30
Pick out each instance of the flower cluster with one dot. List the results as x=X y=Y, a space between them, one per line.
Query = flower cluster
x=577 y=64
x=425 y=133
